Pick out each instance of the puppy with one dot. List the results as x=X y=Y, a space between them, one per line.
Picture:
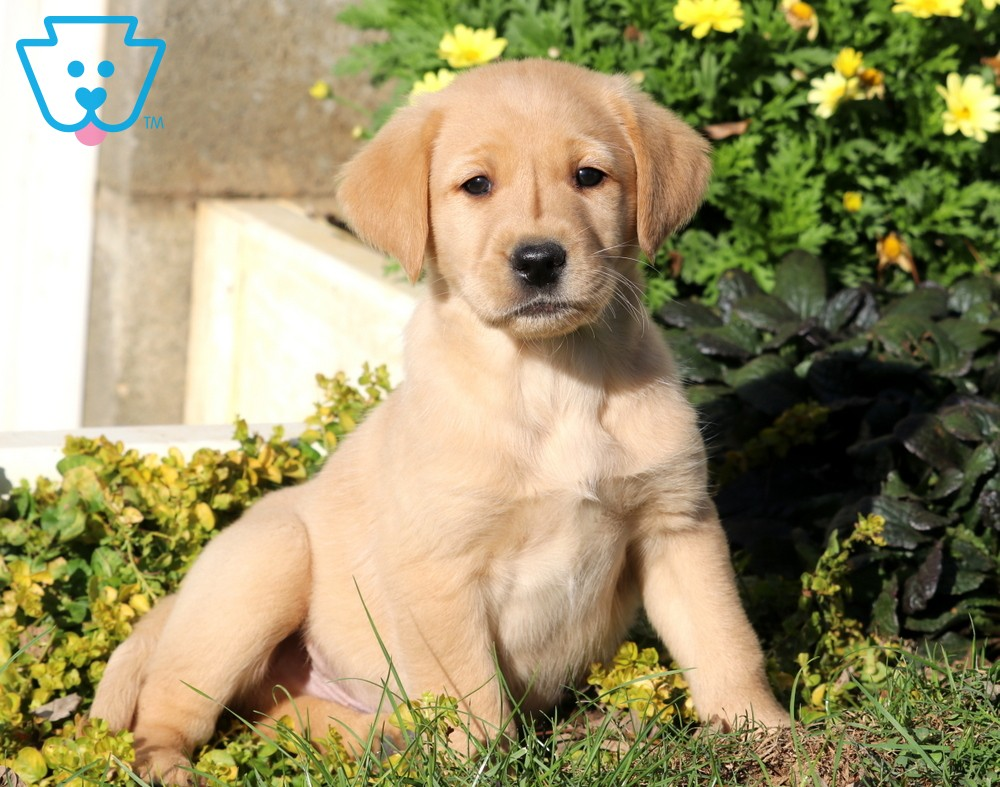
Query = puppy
x=538 y=476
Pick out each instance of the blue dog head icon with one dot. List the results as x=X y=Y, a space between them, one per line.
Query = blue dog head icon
x=72 y=94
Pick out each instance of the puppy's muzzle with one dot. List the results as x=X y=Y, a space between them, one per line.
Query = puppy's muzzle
x=538 y=265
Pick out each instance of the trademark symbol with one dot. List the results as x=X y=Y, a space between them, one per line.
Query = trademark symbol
x=152 y=121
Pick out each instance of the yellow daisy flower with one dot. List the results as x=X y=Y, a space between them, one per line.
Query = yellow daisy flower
x=972 y=107
x=848 y=62
x=725 y=16
x=464 y=47
x=830 y=92
x=432 y=83
x=925 y=9
x=852 y=201
x=989 y=5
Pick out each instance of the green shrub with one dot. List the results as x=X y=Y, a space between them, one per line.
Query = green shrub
x=881 y=177
x=85 y=555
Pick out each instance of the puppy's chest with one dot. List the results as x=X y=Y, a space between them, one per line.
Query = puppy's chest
x=559 y=587
x=565 y=529
x=560 y=561
x=576 y=459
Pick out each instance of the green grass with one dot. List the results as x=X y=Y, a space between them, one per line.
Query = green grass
x=929 y=723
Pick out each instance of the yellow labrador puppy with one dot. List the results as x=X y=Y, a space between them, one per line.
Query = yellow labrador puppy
x=538 y=476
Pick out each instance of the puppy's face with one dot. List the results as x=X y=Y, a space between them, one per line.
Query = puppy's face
x=531 y=186
x=533 y=207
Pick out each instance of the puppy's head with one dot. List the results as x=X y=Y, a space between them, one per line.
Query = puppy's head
x=529 y=186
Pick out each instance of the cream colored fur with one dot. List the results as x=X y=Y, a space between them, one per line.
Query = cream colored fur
x=537 y=477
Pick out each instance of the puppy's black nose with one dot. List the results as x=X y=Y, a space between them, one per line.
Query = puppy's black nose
x=538 y=264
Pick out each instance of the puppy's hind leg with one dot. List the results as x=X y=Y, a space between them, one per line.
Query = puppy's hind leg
x=118 y=692
x=283 y=694
x=247 y=591
x=315 y=718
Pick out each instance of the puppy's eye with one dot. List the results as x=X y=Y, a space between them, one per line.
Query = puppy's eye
x=588 y=177
x=477 y=186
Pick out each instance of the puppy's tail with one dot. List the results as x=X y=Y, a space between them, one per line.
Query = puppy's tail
x=118 y=692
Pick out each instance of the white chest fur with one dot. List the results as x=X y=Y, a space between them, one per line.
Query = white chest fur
x=558 y=592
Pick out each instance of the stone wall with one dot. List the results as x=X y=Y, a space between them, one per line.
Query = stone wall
x=237 y=121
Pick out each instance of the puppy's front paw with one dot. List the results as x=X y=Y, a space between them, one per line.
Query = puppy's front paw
x=773 y=717
x=766 y=714
x=159 y=765
x=464 y=744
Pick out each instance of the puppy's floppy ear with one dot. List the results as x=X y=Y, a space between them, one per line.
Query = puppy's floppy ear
x=672 y=165
x=384 y=188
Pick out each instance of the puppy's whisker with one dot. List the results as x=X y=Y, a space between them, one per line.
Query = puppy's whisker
x=627 y=259
x=626 y=292
x=580 y=231
x=604 y=251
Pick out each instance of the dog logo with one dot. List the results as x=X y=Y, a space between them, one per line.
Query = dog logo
x=73 y=95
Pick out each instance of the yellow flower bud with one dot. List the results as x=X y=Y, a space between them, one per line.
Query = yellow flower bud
x=140 y=603
x=320 y=90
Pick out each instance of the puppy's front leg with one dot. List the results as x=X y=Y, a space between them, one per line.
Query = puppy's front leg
x=689 y=591
x=448 y=648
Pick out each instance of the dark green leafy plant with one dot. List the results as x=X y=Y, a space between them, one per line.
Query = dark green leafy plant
x=819 y=408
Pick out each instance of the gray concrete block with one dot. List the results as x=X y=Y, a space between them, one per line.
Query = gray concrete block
x=139 y=309
x=232 y=91
x=237 y=120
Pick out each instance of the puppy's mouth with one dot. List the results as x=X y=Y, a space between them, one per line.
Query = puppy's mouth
x=544 y=308
x=543 y=317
